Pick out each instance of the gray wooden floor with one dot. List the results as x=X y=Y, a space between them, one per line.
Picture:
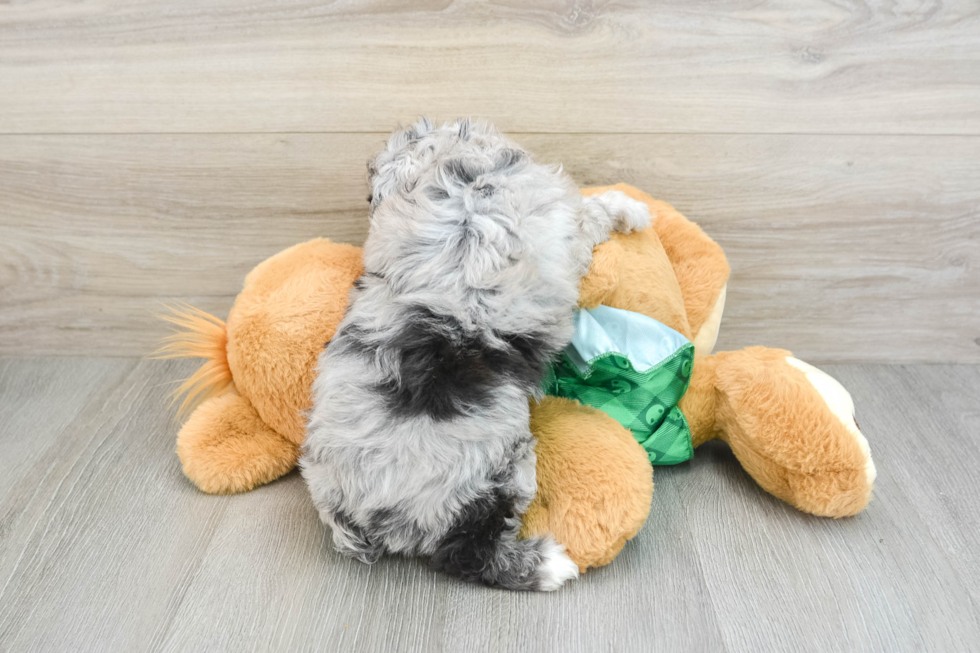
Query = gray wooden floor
x=156 y=151
x=104 y=546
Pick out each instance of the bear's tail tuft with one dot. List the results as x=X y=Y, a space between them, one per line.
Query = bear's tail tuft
x=198 y=335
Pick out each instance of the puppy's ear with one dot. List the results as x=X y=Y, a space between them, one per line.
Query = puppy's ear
x=598 y=285
x=396 y=163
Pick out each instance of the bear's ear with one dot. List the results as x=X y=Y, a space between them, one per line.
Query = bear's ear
x=598 y=285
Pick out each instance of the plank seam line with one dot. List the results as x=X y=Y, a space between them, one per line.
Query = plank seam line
x=525 y=133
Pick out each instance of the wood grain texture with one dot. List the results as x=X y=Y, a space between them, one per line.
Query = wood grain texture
x=842 y=247
x=104 y=546
x=92 y=559
x=531 y=65
x=155 y=152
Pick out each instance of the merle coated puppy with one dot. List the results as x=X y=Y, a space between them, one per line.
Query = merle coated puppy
x=418 y=440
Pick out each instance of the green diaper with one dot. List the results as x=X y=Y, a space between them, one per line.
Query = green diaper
x=635 y=369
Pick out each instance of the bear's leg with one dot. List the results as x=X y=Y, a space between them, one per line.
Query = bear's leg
x=594 y=481
x=790 y=425
x=225 y=447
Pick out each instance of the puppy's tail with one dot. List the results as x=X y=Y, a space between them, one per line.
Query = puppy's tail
x=483 y=547
x=200 y=335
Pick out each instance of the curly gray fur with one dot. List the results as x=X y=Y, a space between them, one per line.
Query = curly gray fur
x=418 y=440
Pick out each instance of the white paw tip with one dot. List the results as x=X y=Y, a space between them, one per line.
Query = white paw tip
x=637 y=215
x=556 y=567
x=631 y=215
x=839 y=401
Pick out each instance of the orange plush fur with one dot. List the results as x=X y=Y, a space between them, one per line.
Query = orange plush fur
x=594 y=480
x=778 y=422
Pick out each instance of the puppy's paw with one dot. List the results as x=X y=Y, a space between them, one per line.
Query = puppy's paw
x=555 y=567
x=628 y=214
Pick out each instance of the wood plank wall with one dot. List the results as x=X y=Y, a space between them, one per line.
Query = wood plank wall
x=153 y=152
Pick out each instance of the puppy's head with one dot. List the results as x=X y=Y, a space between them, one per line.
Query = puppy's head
x=465 y=149
x=398 y=163
x=465 y=204
x=430 y=181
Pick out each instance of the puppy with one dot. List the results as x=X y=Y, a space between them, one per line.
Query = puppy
x=418 y=440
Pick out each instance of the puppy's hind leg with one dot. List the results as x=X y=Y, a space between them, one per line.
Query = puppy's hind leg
x=349 y=538
x=482 y=546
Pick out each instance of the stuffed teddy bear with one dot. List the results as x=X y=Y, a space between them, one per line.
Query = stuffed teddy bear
x=789 y=424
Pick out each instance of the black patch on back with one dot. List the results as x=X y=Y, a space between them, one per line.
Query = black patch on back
x=530 y=347
x=444 y=372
